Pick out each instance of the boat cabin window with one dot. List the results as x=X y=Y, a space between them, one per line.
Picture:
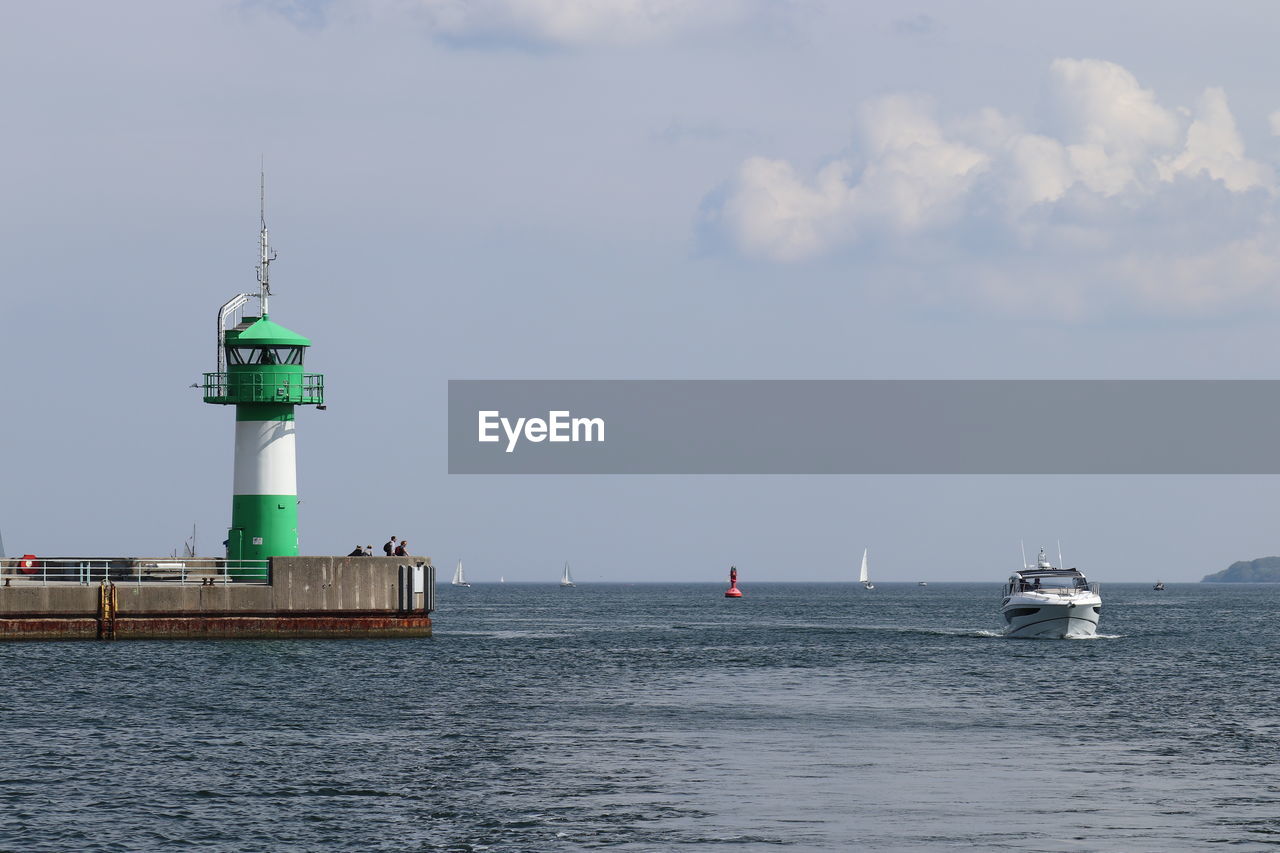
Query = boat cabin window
x=264 y=355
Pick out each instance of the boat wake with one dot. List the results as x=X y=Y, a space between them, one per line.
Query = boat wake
x=933 y=632
x=979 y=633
x=1082 y=637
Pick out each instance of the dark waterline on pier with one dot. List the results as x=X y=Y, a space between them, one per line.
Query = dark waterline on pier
x=654 y=717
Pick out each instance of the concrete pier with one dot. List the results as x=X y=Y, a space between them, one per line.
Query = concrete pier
x=302 y=597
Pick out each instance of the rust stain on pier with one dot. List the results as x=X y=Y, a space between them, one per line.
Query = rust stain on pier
x=214 y=627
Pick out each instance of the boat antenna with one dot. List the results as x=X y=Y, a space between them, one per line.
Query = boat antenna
x=1061 y=564
x=1023 y=543
x=1 y=546
x=266 y=253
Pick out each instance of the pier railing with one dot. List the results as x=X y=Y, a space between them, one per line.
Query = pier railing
x=191 y=571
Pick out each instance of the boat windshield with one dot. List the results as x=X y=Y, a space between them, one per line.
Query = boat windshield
x=1054 y=583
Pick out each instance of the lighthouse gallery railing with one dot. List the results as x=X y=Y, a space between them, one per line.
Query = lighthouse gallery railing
x=264 y=387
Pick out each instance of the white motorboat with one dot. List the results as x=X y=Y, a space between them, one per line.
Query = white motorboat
x=864 y=577
x=458 y=578
x=1048 y=601
x=566 y=579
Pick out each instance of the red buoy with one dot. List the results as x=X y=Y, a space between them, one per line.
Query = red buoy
x=733 y=591
x=28 y=565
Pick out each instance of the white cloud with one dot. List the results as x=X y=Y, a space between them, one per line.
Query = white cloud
x=570 y=23
x=914 y=174
x=777 y=215
x=914 y=179
x=1159 y=205
x=1214 y=148
x=1238 y=271
x=1111 y=124
x=1041 y=170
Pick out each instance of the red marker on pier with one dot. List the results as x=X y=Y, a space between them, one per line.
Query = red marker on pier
x=733 y=591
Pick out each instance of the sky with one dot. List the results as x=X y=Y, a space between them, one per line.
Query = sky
x=564 y=189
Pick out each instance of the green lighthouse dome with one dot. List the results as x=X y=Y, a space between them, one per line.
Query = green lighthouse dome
x=264 y=332
x=258 y=340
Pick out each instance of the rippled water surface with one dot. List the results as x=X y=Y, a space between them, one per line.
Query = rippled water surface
x=658 y=717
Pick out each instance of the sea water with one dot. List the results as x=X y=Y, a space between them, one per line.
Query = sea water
x=664 y=717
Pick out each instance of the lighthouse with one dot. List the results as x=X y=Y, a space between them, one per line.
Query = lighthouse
x=260 y=372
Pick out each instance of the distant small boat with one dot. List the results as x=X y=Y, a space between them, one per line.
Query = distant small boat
x=864 y=577
x=458 y=578
x=566 y=579
x=1159 y=587
x=502 y=578
x=923 y=583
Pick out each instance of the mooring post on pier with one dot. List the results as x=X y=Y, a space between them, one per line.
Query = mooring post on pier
x=108 y=603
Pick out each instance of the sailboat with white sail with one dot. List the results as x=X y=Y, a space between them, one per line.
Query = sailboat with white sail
x=459 y=579
x=864 y=577
x=566 y=579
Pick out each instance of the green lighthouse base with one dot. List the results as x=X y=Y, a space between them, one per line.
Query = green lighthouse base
x=264 y=526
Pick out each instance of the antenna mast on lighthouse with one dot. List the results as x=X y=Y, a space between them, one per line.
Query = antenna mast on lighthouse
x=266 y=253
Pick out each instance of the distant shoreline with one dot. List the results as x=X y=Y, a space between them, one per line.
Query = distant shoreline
x=1261 y=570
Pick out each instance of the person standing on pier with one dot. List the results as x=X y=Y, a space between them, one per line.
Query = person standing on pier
x=390 y=548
